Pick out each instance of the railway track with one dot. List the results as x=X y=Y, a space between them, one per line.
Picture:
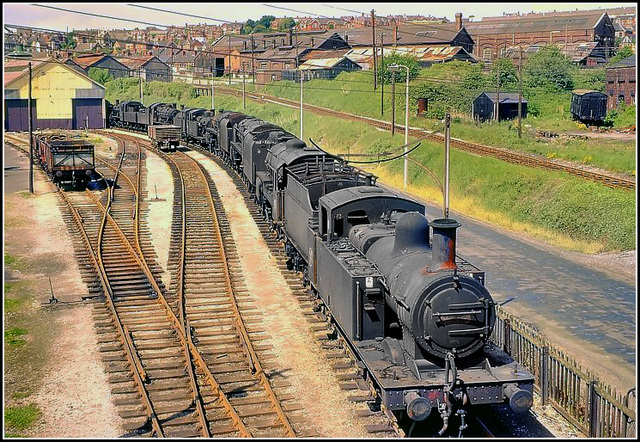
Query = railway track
x=162 y=349
x=206 y=303
x=160 y=380
x=478 y=149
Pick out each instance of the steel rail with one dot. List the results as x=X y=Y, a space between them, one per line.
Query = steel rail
x=240 y=326
x=96 y=258
x=251 y=354
x=197 y=398
x=183 y=335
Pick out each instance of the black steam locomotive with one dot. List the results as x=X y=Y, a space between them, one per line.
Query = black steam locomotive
x=416 y=316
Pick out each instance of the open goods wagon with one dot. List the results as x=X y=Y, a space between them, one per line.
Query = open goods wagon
x=165 y=137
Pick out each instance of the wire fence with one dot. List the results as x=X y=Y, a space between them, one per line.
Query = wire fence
x=596 y=409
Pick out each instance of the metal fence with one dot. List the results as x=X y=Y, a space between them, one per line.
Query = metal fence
x=595 y=409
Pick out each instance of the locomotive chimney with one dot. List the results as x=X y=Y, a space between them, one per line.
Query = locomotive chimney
x=443 y=247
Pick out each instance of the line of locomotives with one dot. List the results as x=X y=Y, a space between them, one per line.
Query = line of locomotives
x=417 y=317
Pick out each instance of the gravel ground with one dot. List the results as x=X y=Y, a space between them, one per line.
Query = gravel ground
x=74 y=396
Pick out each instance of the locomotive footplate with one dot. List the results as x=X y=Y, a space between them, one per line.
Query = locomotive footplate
x=495 y=380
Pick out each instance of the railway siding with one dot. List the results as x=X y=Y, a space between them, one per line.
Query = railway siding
x=503 y=154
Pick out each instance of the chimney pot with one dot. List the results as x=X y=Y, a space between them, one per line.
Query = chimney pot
x=459 y=20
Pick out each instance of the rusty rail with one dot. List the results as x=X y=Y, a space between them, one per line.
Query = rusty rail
x=184 y=323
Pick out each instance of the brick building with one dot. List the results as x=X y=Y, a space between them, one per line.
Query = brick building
x=493 y=37
x=620 y=83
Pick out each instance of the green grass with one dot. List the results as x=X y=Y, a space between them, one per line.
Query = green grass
x=11 y=305
x=550 y=205
x=9 y=260
x=13 y=335
x=21 y=417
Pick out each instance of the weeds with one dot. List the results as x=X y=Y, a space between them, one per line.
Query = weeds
x=21 y=417
x=12 y=336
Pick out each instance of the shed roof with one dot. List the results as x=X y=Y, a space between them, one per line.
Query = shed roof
x=10 y=76
x=586 y=91
x=629 y=62
x=505 y=97
x=536 y=24
x=137 y=62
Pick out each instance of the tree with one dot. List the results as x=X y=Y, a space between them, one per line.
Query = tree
x=508 y=73
x=70 y=42
x=549 y=68
x=286 y=23
x=384 y=74
x=100 y=75
x=266 y=20
x=248 y=27
x=621 y=55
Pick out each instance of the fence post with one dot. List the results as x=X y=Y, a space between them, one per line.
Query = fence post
x=507 y=336
x=544 y=375
x=593 y=410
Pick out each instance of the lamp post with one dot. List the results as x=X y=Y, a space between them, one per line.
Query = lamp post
x=213 y=100
x=301 y=108
x=393 y=68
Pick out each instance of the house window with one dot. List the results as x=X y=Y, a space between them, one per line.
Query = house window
x=486 y=54
x=621 y=99
x=263 y=65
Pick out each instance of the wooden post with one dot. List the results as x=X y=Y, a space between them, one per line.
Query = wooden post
x=393 y=103
x=497 y=106
x=373 y=39
x=520 y=96
x=594 y=419
x=253 y=69
x=447 y=141
x=30 y=134
x=229 y=41
x=382 y=81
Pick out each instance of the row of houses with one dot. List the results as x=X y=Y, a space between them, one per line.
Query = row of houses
x=325 y=53
x=149 y=68
x=589 y=38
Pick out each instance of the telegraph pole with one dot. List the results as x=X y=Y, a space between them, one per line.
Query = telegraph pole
x=497 y=92
x=375 y=64
x=244 y=100
x=301 y=111
x=393 y=103
x=253 y=70
x=30 y=134
x=213 y=100
x=382 y=82
x=520 y=95
x=229 y=41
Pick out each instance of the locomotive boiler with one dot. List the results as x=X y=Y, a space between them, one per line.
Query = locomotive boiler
x=416 y=316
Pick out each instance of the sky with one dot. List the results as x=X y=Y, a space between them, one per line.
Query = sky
x=38 y=16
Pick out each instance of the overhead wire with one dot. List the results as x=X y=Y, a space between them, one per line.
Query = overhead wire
x=225 y=53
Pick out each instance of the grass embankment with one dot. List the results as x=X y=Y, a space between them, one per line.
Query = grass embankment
x=569 y=212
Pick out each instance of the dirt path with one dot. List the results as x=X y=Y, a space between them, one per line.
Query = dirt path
x=63 y=367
